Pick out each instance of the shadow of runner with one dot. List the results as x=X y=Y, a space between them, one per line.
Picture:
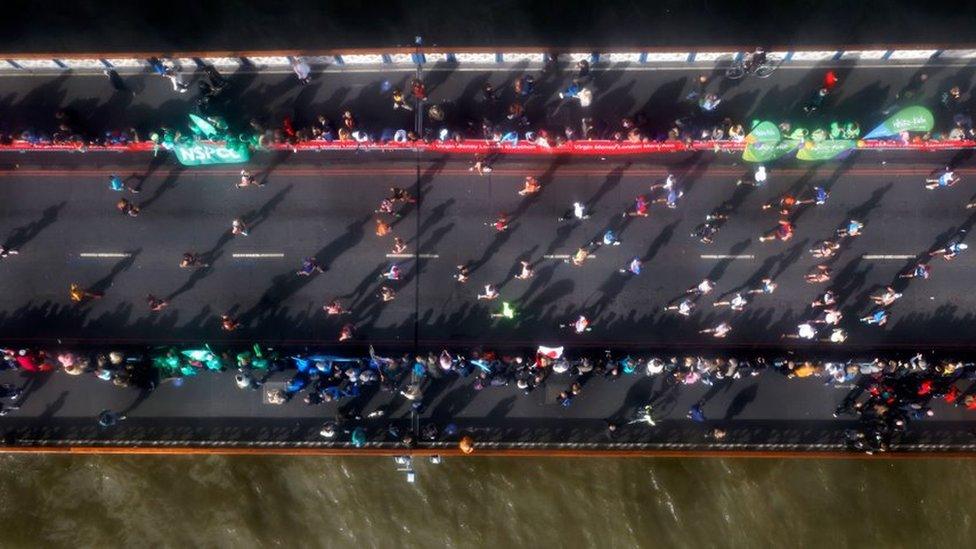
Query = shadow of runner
x=741 y=400
x=169 y=183
x=105 y=282
x=22 y=235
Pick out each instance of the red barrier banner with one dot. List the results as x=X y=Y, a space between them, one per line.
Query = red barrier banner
x=480 y=146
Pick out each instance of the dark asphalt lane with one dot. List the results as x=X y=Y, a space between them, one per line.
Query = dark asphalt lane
x=56 y=216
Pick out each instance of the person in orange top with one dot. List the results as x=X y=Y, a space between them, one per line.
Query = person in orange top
x=79 y=294
x=382 y=228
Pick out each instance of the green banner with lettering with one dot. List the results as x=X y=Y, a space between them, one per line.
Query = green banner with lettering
x=909 y=119
x=824 y=150
x=205 y=153
x=764 y=132
x=764 y=152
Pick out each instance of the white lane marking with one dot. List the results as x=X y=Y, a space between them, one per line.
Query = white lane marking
x=726 y=256
x=410 y=256
x=256 y=256
x=104 y=254
x=565 y=256
x=889 y=256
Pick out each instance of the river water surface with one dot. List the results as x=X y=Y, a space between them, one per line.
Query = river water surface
x=88 y=501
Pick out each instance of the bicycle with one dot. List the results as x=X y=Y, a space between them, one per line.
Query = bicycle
x=763 y=70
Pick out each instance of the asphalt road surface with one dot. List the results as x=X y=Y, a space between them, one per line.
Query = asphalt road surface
x=62 y=219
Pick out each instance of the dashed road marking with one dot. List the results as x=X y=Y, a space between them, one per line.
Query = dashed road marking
x=726 y=256
x=565 y=256
x=257 y=256
x=104 y=254
x=889 y=256
x=411 y=256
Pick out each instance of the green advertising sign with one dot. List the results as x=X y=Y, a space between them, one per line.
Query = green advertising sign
x=764 y=152
x=824 y=150
x=764 y=132
x=206 y=153
x=913 y=119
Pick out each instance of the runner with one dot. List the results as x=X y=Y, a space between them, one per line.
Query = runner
x=818 y=197
x=609 y=239
x=946 y=179
x=248 y=180
x=819 y=274
x=920 y=270
x=805 y=330
x=887 y=297
x=719 y=331
x=238 y=227
x=532 y=186
x=684 y=308
x=737 y=303
x=310 y=265
x=155 y=303
x=117 y=184
x=579 y=257
x=852 y=229
x=672 y=192
x=785 y=204
x=490 y=293
x=345 y=334
x=386 y=207
x=191 y=260
x=783 y=231
x=398 y=194
x=387 y=294
x=399 y=246
x=79 y=294
x=667 y=185
x=878 y=317
x=640 y=208
x=634 y=267
x=766 y=287
x=578 y=211
x=127 y=208
x=831 y=317
x=228 y=323
x=758 y=178
x=382 y=228
x=580 y=325
x=393 y=273
x=826 y=300
x=825 y=249
x=951 y=250
x=334 y=308
x=507 y=311
x=703 y=288
x=462 y=274
x=707 y=230
x=500 y=224
x=480 y=165
x=526 y=272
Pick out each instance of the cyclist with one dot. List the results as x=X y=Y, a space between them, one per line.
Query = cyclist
x=754 y=60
